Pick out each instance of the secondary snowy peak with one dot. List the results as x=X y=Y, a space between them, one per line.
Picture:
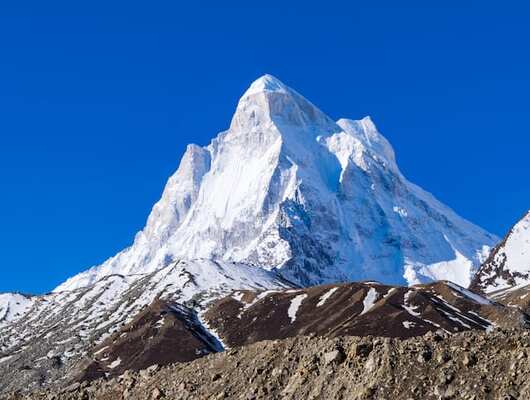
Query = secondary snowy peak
x=365 y=142
x=509 y=263
x=287 y=189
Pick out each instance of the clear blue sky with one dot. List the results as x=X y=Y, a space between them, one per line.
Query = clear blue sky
x=99 y=99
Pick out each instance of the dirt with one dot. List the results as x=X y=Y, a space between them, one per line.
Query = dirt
x=467 y=365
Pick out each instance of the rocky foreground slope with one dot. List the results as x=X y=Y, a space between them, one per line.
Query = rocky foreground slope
x=469 y=365
x=171 y=330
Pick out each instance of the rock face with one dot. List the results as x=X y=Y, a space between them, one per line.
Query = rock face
x=469 y=365
x=508 y=265
x=288 y=189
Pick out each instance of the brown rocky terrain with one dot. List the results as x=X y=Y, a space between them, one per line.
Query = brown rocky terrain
x=166 y=333
x=162 y=334
x=469 y=365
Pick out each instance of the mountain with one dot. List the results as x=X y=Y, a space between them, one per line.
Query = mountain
x=289 y=190
x=508 y=266
x=284 y=199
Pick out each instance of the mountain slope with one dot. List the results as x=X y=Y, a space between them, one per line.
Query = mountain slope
x=288 y=189
x=52 y=333
x=508 y=265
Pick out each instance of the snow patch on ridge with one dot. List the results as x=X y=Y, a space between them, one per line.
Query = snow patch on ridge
x=296 y=302
x=369 y=300
x=326 y=296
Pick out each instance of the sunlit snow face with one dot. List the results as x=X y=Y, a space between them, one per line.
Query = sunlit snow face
x=287 y=188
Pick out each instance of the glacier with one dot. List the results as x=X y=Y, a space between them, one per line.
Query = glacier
x=313 y=200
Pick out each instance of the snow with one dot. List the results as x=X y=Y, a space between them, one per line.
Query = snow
x=459 y=270
x=218 y=344
x=400 y=210
x=115 y=364
x=13 y=306
x=260 y=296
x=6 y=358
x=409 y=308
x=89 y=315
x=295 y=304
x=409 y=324
x=238 y=296
x=286 y=190
x=101 y=350
x=473 y=296
x=511 y=259
x=326 y=296
x=266 y=83
x=283 y=164
x=517 y=246
x=369 y=300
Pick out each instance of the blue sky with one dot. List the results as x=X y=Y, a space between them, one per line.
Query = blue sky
x=98 y=101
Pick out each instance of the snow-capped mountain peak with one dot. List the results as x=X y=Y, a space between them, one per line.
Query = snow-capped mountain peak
x=266 y=83
x=288 y=189
x=509 y=263
x=269 y=102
